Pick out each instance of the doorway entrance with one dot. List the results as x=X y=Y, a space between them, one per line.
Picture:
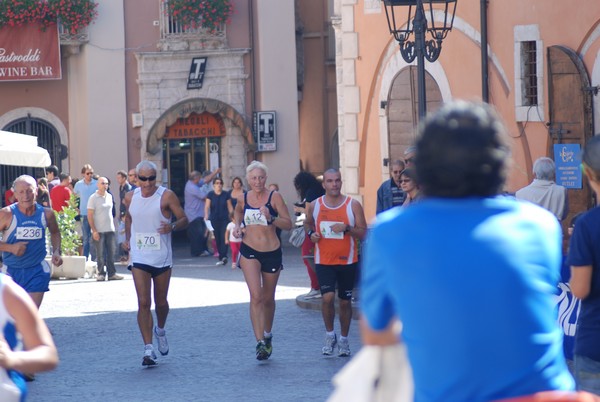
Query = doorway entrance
x=191 y=143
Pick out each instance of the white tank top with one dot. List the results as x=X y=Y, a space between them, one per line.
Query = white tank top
x=147 y=246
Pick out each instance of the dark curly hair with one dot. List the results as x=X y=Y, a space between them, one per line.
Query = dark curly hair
x=462 y=151
x=305 y=181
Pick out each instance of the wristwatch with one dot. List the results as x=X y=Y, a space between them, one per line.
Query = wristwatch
x=310 y=232
x=348 y=228
x=173 y=226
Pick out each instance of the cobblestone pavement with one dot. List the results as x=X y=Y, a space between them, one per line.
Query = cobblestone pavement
x=211 y=354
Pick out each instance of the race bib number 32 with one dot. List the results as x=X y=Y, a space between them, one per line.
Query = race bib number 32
x=147 y=241
x=31 y=233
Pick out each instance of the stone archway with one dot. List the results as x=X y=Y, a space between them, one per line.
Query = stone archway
x=198 y=105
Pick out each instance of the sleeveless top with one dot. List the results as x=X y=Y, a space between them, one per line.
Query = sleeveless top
x=12 y=384
x=31 y=229
x=147 y=246
x=252 y=216
x=334 y=248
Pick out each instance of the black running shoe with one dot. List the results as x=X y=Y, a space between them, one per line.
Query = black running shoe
x=269 y=345
x=261 y=351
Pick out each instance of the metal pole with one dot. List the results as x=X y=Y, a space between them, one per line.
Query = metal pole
x=485 y=94
x=420 y=26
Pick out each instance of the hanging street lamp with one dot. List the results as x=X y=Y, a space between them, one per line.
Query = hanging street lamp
x=419 y=47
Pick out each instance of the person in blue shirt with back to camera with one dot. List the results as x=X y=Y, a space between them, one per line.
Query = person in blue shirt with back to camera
x=474 y=289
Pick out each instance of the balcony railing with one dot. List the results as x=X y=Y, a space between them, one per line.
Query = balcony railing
x=71 y=43
x=174 y=36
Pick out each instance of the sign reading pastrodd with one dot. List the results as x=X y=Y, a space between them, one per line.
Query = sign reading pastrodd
x=27 y=53
x=196 y=77
x=567 y=158
x=265 y=131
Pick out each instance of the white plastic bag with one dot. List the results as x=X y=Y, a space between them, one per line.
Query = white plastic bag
x=297 y=236
x=375 y=374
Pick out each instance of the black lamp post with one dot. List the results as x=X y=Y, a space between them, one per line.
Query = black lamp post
x=420 y=48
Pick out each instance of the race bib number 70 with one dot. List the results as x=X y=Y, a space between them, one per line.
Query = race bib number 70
x=29 y=233
x=147 y=241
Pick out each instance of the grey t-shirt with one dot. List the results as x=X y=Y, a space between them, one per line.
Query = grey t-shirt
x=102 y=206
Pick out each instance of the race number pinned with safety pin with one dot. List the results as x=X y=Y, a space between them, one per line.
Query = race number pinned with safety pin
x=147 y=241
x=254 y=217
x=327 y=231
x=29 y=233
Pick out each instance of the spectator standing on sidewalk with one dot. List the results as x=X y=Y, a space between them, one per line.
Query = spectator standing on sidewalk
x=390 y=193
x=84 y=189
x=101 y=220
x=61 y=194
x=410 y=186
x=335 y=223
x=261 y=212
x=584 y=259
x=217 y=209
x=237 y=190
x=43 y=195
x=124 y=188
x=233 y=242
x=543 y=191
x=309 y=189
x=148 y=227
x=52 y=175
x=195 y=197
x=132 y=178
x=469 y=249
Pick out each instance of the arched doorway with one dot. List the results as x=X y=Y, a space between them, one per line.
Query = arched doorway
x=217 y=135
x=192 y=143
x=403 y=116
x=48 y=138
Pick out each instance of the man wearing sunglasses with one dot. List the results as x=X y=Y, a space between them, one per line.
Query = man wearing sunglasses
x=84 y=190
x=153 y=213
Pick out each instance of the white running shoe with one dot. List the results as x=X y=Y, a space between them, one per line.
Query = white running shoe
x=330 y=342
x=150 y=358
x=163 y=345
x=343 y=348
x=313 y=294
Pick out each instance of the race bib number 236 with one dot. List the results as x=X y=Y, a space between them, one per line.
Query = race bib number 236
x=29 y=233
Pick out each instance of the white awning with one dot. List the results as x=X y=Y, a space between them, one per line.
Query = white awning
x=22 y=150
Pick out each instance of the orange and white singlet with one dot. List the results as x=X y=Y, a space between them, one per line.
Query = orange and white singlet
x=334 y=248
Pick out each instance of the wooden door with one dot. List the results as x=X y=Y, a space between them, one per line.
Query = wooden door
x=571 y=114
x=403 y=116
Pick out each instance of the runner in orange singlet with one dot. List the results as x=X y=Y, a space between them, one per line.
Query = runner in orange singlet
x=335 y=223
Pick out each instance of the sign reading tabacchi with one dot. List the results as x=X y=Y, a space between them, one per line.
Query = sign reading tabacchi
x=27 y=53
x=196 y=126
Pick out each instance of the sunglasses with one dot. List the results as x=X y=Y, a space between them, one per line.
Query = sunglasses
x=405 y=181
x=219 y=183
x=149 y=178
x=409 y=160
x=89 y=173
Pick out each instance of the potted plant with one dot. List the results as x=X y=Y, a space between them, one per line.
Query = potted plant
x=209 y=14
x=73 y=265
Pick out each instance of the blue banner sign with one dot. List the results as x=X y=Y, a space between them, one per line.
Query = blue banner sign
x=567 y=158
